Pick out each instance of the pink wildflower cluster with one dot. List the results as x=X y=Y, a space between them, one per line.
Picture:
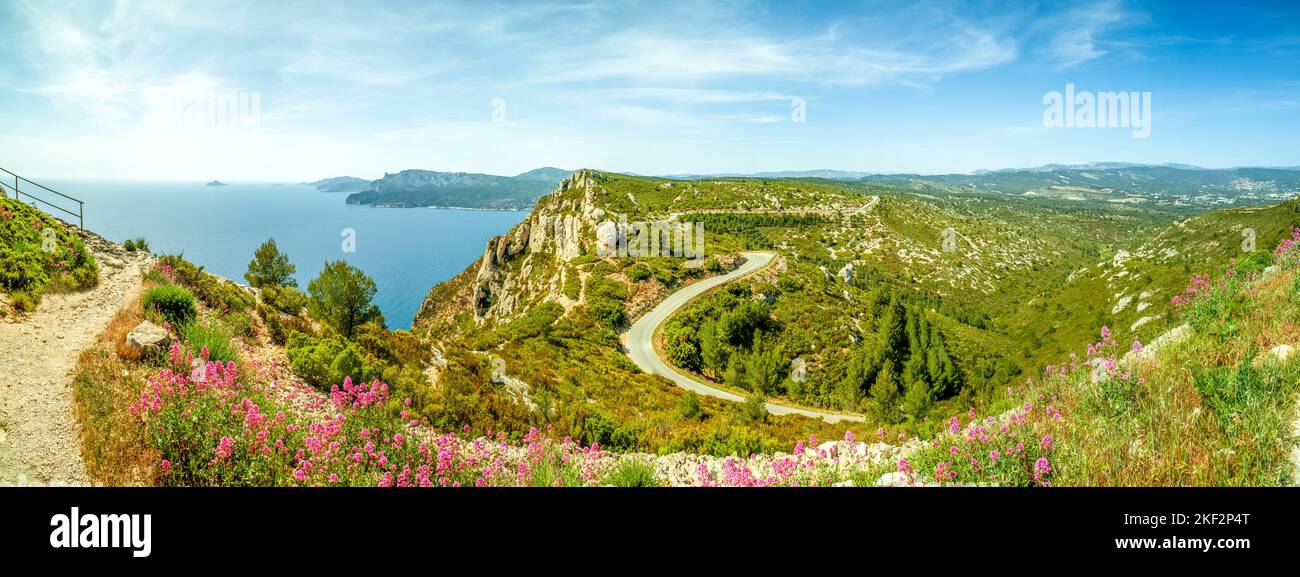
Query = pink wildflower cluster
x=1001 y=450
x=212 y=428
x=1198 y=287
x=1285 y=253
x=166 y=270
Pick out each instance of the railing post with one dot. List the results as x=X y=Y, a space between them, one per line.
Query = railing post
x=81 y=215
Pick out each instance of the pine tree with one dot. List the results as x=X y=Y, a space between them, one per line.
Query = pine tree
x=892 y=334
x=735 y=374
x=885 y=397
x=712 y=350
x=270 y=267
x=762 y=367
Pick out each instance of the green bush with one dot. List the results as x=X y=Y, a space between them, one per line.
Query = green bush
x=287 y=299
x=39 y=253
x=216 y=292
x=174 y=303
x=638 y=273
x=280 y=326
x=688 y=407
x=324 y=362
x=755 y=408
x=24 y=302
x=137 y=244
x=683 y=347
x=608 y=313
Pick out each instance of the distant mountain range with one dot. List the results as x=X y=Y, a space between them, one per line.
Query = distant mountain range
x=428 y=188
x=1175 y=184
x=1171 y=183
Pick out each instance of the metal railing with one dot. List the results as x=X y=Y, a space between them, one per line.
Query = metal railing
x=19 y=193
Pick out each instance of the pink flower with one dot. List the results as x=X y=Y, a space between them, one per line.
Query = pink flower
x=1047 y=443
x=1041 y=468
x=166 y=465
x=225 y=448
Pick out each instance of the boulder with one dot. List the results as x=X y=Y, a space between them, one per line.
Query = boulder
x=846 y=274
x=147 y=337
x=1278 y=354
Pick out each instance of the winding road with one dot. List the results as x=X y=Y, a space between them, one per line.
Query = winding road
x=639 y=341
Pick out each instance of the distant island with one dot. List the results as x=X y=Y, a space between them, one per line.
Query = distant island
x=427 y=188
x=216 y=183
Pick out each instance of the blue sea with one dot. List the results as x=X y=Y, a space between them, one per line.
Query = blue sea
x=406 y=250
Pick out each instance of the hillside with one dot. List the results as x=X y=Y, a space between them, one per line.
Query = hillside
x=417 y=188
x=39 y=254
x=1167 y=185
x=862 y=282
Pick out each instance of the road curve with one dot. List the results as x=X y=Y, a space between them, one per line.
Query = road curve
x=639 y=341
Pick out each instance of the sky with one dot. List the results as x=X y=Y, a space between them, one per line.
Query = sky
x=133 y=90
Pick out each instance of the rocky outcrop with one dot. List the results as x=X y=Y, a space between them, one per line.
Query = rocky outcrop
x=527 y=264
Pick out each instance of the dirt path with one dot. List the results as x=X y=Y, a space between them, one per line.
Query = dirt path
x=39 y=436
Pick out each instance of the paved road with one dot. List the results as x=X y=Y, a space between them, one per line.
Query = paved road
x=640 y=342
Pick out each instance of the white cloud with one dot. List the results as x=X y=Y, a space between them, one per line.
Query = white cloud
x=1077 y=34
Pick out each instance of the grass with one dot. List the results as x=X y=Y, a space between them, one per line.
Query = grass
x=212 y=336
x=1205 y=412
x=105 y=383
x=632 y=472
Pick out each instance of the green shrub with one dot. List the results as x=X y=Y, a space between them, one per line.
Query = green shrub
x=683 y=347
x=536 y=321
x=39 y=253
x=608 y=313
x=174 y=303
x=638 y=273
x=324 y=362
x=24 y=302
x=572 y=284
x=137 y=244
x=240 y=324
x=688 y=407
x=287 y=299
x=216 y=292
x=755 y=408
x=280 y=326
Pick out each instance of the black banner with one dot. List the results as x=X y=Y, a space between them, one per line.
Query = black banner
x=160 y=527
